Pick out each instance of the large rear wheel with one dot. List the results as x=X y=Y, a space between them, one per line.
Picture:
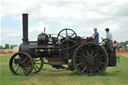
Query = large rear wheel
x=90 y=58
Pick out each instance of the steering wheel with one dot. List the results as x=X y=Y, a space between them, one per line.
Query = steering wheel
x=66 y=38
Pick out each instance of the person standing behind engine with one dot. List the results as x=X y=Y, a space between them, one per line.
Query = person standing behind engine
x=114 y=45
x=109 y=39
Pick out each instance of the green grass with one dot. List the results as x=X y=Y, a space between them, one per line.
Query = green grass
x=49 y=76
x=6 y=77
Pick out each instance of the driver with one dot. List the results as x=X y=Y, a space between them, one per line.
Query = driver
x=95 y=36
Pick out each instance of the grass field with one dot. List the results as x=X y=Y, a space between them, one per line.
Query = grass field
x=49 y=76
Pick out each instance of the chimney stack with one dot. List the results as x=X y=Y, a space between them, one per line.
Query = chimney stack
x=25 y=28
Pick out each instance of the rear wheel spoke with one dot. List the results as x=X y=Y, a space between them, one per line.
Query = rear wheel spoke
x=84 y=68
x=90 y=71
x=84 y=55
x=92 y=53
x=101 y=63
x=79 y=63
x=87 y=53
x=96 y=55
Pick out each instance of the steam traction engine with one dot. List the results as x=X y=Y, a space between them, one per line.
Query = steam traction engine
x=82 y=55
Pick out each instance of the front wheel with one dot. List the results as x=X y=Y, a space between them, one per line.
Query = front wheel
x=21 y=64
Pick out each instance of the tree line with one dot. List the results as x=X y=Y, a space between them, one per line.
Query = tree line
x=123 y=45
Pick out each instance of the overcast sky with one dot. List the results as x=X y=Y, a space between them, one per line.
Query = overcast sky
x=81 y=16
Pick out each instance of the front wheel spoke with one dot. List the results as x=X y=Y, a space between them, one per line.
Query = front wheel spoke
x=28 y=62
x=25 y=70
x=28 y=68
x=27 y=65
x=24 y=60
x=13 y=61
x=15 y=66
x=17 y=69
x=36 y=66
x=20 y=70
x=37 y=60
x=38 y=63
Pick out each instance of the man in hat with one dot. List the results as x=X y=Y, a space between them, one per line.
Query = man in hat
x=109 y=39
